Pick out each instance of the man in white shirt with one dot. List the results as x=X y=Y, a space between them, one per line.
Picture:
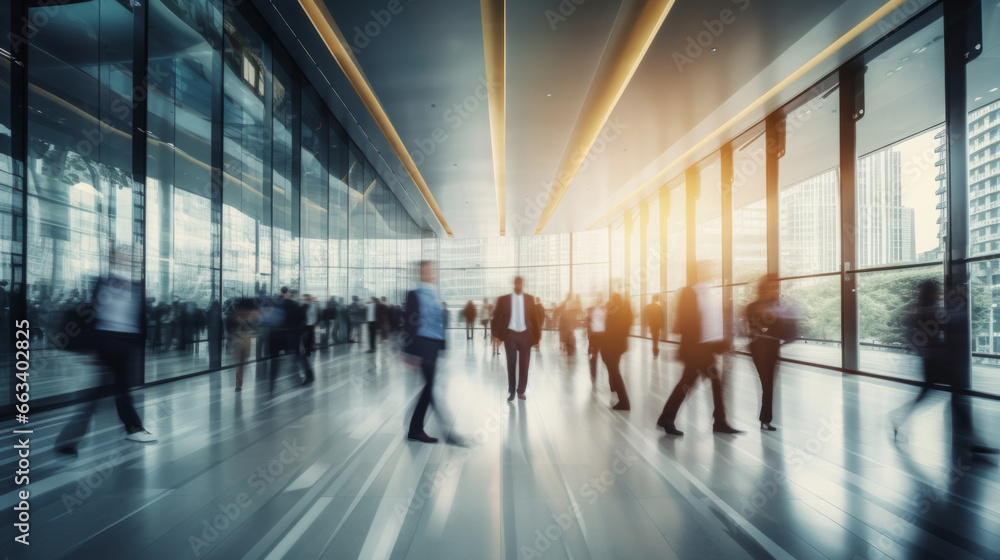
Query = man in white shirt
x=596 y=325
x=516 y=324
x=312 y=318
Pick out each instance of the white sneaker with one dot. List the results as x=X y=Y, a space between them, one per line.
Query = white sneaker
x=141 y=437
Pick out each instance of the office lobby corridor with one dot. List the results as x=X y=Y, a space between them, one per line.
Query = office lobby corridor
x=325 y=471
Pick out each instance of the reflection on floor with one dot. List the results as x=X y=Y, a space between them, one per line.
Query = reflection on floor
x=324 y=471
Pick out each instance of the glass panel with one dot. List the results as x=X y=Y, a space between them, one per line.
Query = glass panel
x=899 y=184
x=79 y=176
x=750 y=211
x=246 y=211
x=676 y=254
x=653 y=248
x=984 y=139
x=178 y=190
x=636 y=270
x=984 y=276
x=809 y=189
x=884 y=304
x=7 y=203
x=818 y=302
x=339 y=205
x=315 y=196
x=708 y=232
x=285 y=198
x=618 y=257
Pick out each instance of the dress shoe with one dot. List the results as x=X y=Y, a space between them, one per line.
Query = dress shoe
x=621 y=406
x=767 y=427
x=984 y=449
x=521 y=396
x=511 y=397
x=422 y=438
x=725 y=429
x=669 y=428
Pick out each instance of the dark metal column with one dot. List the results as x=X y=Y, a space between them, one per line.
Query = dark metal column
x=140 y=95
x=693 y=187
x=214 y=312
x=728 y=312
x=962 y=44
x=775 y=149
x=851 y=110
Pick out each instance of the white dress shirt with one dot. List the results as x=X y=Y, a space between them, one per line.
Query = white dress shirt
x=710 y=309
x=312 y=315
x=517 y=323
x=598 y=319
x=370 y=313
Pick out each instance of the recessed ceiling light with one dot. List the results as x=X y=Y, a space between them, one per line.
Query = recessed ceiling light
x=978 y=98
x=548 y=95
x=994 y=89
x=889 y=73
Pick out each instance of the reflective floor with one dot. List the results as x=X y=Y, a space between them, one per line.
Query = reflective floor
x=325 y=472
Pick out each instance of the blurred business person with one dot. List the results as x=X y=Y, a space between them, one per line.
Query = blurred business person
x=469 y=314
x=597 y=317
x=116 y=312
x=653 y=315
x=770 y=324
x=516 y=324
x=422 y=341
x=699 y=324
x=614 y=343
x=485 y=312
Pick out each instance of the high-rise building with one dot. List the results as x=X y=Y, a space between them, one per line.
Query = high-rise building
x=810 y=228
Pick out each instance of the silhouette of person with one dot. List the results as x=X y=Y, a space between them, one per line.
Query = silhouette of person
x=516 y=324
x=614 y=344
x=469 y=313
x=700 y=329
x=117 y=310
x=423 y=339
x=653 y=316
x=770 y=325
x=485 y=312
x=597 y=317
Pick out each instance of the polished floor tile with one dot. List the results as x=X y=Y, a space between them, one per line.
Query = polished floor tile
x=325 y=472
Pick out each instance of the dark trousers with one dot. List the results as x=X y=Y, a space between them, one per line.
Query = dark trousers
x=593 y=349
x=700 y=363
x=116 y=353
x=654 y=333
x=309 y=339
x=371 y=335
x=764 y=352
x=612 y=360
x=518 y=349
x=470 y=329
x=290 y=344
x=427 y=349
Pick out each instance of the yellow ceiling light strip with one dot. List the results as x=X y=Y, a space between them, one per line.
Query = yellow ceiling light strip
x=494 y=44
x=792 y=78
x=602 y=98
x=330 y=33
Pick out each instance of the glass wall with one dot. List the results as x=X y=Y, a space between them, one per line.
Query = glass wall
x=787 y=215
x=591 y=268
x=652 y=260
x=81 y=197
x=983 y=104
x=636 y=268
x=245 y=184
x=899 y=192
x=676 y=251
x=478 y=269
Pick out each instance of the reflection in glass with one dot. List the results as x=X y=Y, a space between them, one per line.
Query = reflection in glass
x=809 y=189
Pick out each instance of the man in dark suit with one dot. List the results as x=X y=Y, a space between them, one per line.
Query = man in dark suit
x=653 y=314
x=422 y=340
x=516 y=324
x=702 y=339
